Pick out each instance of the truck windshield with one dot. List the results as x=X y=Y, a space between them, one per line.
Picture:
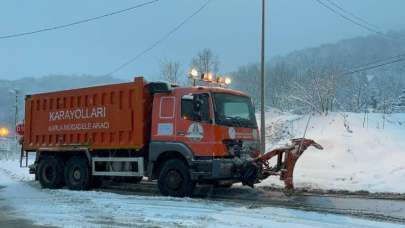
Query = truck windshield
x=234 y=110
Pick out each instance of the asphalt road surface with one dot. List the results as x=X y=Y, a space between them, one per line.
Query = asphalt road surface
x=383 y=208
x=9 y=219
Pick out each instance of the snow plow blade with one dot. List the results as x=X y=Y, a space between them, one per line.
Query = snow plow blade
x=259 y=169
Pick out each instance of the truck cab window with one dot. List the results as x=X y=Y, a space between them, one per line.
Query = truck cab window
x=195 y=107
x=187 y=107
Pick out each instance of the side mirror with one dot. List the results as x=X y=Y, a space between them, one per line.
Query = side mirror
x=197 y=103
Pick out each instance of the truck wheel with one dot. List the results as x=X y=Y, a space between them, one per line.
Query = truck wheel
x=50 y=172
x=77 y=174
x=174 y=179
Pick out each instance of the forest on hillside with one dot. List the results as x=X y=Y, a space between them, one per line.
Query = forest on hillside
x=327 y=78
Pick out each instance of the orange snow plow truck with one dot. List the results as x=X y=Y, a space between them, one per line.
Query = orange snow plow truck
x=179 y=136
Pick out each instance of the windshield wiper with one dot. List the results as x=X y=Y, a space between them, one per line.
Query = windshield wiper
x=239 y=121
x=243 y=121
x=232 y=121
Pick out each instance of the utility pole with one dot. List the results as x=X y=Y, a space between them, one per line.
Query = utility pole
x=15 y=92
x=262 y=81
x=16 y=114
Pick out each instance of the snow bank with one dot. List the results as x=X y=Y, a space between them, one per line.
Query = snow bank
x=361 y=152
x=12 y=169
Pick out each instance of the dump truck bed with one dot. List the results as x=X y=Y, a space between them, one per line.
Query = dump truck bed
x=102 y=117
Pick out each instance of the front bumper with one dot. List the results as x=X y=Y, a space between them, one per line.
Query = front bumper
x=215 y=169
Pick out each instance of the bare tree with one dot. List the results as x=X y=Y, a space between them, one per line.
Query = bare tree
x=316 y=92
x=170 y=70
x=205 y=61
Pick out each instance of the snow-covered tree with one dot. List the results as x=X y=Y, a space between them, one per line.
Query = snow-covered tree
x=399 y=105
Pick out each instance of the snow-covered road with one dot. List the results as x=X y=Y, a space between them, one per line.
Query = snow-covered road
x=66 y=208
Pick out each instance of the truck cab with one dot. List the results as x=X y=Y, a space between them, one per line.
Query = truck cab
x=211 y=130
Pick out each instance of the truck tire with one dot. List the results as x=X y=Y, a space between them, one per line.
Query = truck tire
x=50 y=172
x=174 y=179
x=77 y=174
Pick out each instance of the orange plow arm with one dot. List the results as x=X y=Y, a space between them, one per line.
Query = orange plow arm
x=259 y=168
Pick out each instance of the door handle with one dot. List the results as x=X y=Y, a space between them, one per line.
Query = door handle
x=181 y=133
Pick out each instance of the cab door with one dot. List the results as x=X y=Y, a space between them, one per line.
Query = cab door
x=194 y=125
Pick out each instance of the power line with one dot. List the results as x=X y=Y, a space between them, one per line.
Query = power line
x=368 y=67
x=368 y=28
x=375 y=64
x=352 y=14
x=77 y=22
x=156 y=43
x=382 y=60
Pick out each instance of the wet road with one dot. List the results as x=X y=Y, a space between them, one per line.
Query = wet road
x=61 y=207
x=25 y=199
x=384 y=209
x=9 y=219
x=380 y=209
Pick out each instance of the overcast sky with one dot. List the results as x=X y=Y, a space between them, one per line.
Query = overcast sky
x=229 y=27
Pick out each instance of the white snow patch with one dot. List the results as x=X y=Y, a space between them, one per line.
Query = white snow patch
x=366 y=154
x=66 y=208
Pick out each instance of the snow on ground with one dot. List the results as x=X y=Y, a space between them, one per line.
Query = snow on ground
x=360 y=152
x=100 y=209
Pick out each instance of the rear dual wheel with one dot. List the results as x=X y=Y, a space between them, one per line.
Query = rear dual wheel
x=53 y=173
x=78 y=174
x=50 y=172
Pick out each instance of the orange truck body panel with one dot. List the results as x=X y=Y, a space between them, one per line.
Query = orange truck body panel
x=102 y=117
